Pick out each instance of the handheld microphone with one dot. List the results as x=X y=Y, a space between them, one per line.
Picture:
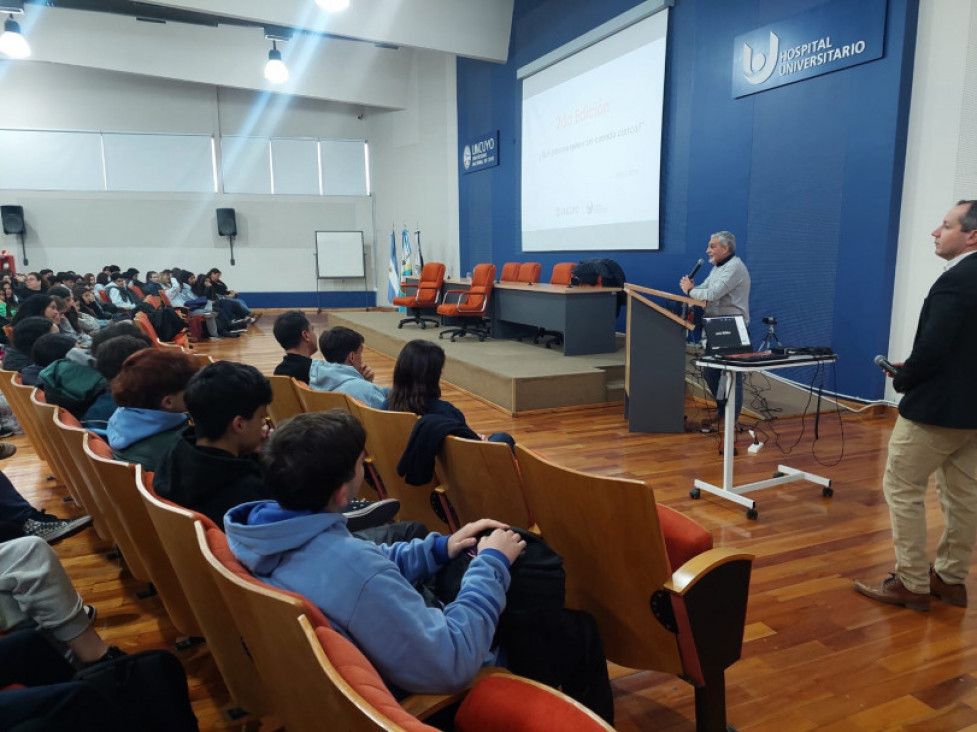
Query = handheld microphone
x=696 y=268
x=883 y=363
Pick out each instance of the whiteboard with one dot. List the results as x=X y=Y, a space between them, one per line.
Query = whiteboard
x=339 y=254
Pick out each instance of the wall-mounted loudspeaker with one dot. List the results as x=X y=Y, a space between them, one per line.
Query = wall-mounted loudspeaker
x=13 y=219
x=226 y=222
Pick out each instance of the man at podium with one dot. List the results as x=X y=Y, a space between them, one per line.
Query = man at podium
x=727 y=292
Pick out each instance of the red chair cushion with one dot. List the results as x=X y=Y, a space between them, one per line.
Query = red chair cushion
x=684 y=538
x=359 y=673
x=504 y=703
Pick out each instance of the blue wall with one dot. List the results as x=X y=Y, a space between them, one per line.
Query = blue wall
x=808 y=176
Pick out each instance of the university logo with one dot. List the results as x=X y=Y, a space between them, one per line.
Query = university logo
x=757 y=67
x=466 y=157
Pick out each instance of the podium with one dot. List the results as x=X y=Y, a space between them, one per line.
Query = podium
x=654 y=375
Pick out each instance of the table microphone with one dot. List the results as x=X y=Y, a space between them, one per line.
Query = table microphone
x=696 y=268
x=883 y=363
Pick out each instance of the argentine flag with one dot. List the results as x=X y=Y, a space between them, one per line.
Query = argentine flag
x=408 y=265
x=393 y=278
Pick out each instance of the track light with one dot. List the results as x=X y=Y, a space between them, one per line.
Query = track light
x=275 y=70
x=12 y=43
x=333 y=6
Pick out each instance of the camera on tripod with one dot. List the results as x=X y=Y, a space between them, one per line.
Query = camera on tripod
x=771 y=341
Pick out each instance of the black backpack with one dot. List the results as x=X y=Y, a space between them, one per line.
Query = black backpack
x=149 y=689
x=166 y=322
x=539 y=581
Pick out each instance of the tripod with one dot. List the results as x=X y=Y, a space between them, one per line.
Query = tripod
x=771 y=338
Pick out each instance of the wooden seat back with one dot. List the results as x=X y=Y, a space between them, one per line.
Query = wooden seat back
x=43 y=421
x=307 y=691
x=73 y=439
x=386 y=437
x=313 y=400
x=176 y=529
x=284 y=401
x=688 y=622
x=119 y=482
x=482 y=480
x=18 y=397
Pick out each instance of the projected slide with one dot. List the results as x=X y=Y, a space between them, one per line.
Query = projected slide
x=591 y=145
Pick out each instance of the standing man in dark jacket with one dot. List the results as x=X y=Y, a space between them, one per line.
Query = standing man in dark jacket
x=936 y=430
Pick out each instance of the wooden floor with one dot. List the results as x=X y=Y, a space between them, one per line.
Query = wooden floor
x=816 y=656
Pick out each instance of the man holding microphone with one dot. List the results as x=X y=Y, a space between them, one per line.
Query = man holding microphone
x=727 y=292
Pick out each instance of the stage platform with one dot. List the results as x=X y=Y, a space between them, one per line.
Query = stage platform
x=515 y=376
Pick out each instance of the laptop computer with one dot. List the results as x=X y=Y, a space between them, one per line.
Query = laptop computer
x=726 y=335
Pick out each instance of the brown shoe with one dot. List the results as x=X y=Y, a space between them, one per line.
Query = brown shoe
x=953 y=594
x=893 y=592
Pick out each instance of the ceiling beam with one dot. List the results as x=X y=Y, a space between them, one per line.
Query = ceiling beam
x=470 y=28
x=230 y=56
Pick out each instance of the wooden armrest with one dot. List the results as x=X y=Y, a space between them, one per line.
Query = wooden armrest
x=423 y=706
x=689 y=574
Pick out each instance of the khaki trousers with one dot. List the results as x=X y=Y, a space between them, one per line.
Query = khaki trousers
x=915 y=452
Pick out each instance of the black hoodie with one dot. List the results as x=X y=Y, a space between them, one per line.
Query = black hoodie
x=207 y=479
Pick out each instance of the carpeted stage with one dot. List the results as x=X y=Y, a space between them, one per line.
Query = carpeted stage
x=516 y=376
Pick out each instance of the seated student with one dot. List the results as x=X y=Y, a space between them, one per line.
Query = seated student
x=181 y=294
x=109 y=355
x=152 y=285
x=417 y=385
x=214 y=466
x=343 y=369
x=300 y=542
x=91 y=316
x=151 y=414
x=120 y=295
x=47 y=349
x=232 y=306
x=39 y=305
x=26 y=332
x=296 y=335
x=35 y=589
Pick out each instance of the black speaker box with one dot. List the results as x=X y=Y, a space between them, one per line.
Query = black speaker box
x=13 y=219
x=226 y=222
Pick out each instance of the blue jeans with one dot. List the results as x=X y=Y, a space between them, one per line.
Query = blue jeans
x=13 y=508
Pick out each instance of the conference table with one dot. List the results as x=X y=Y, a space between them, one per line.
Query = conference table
x=586 y=316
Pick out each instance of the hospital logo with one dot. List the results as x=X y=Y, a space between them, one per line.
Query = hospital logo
x=757 y=66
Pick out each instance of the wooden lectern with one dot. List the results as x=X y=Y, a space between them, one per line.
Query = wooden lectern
x=654 y=376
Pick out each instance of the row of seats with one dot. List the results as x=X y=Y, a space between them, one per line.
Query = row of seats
x=277 y=653
x=663 y=598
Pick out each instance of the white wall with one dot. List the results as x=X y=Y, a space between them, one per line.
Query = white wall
x=414 y=156
x=84 y=231
x=945 y=76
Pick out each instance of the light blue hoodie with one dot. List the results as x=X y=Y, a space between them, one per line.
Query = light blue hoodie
x=326 y=376
x=365 y=591
x=129 y=425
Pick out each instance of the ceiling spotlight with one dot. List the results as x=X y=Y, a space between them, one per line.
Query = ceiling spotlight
x=12 y=43
x=333 y=6
x=275 y=70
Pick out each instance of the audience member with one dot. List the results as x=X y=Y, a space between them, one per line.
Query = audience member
x=26 y=332
x=296 y=335
x=149 y=392
x=343 y=369
x=233 y=306
x=120 y=295
x=417 y=385
x=299 y=542
x=19 y=518
x=47 y=349
x=109 y=357
x=42 y=305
